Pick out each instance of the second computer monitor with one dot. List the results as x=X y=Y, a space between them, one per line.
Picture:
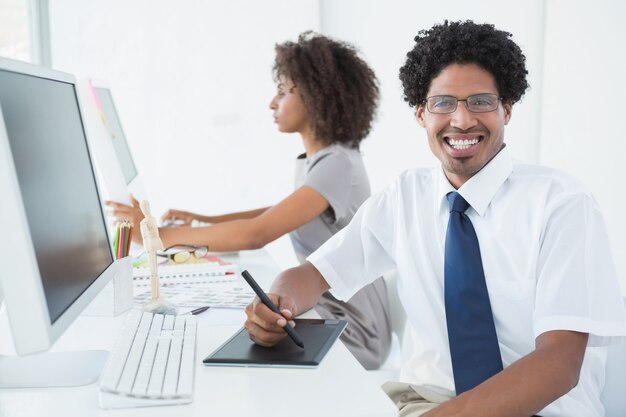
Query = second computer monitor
x=116 y=167
x=114 y=129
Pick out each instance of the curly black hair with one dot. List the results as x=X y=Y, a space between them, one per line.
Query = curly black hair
x=338 y=89
x=464 y=42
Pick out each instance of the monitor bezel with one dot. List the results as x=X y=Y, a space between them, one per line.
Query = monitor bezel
x=31 y=326
x=103 y=85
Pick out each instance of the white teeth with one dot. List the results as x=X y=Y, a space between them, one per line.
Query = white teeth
x=462 y=143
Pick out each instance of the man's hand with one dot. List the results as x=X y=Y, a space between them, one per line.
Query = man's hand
x=265 y=326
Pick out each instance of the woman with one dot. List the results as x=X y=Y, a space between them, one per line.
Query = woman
x=328 y=95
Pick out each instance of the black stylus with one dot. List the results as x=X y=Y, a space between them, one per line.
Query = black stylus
x=266 y=300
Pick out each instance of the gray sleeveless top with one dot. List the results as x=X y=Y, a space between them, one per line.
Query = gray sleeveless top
x=337 y=172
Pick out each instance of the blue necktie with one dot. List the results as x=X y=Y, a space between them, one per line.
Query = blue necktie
x=471 y=332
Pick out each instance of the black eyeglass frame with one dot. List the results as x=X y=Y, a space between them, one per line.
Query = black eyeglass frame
x=467 y=105
x=192 y=250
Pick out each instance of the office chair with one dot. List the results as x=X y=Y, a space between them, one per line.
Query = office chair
x=613 y=396
x=390 y=369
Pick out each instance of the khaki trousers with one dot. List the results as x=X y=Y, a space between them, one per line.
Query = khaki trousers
x=408 y=400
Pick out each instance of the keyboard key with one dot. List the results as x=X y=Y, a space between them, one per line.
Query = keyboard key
x=113 y=372
x=157 y=323
x=158 y=368
x=168 y=322
x=145 y=368
x=172 y=371
x=153 y=361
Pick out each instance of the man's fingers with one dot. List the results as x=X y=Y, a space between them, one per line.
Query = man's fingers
x=286 y=312
x=262 y=316
x=270 y=323
x=261 y=336
x=265 y=327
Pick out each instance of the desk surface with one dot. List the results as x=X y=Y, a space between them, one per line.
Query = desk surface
x=338 y=387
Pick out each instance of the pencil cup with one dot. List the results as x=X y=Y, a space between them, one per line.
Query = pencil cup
x=117 y=296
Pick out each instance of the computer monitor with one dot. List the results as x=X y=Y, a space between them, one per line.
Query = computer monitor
x=55 y=254
x=114 y=161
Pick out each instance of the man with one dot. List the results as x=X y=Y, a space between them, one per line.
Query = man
x=504 y=268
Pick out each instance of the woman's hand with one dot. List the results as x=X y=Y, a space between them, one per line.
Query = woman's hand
x=132 y=214
x=178 y=218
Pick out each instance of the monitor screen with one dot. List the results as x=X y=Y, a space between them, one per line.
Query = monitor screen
x=114 y=129
x=57 y=185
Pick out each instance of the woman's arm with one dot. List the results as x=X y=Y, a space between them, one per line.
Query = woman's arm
x=299 y=208
x=187 y=217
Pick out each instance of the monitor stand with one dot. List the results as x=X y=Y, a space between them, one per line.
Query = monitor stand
x=52 y=369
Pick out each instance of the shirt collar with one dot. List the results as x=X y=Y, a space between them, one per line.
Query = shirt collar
x=479 y=190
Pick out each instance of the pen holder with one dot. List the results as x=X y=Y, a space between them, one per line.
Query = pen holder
x=117 y=296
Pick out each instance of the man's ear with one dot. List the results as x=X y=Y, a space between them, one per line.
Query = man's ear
x=508 y=109
x=419 y=115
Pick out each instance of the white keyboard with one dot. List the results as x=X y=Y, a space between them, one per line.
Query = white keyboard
x=152 y=363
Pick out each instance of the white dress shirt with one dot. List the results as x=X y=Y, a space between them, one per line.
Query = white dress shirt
x=545 y=254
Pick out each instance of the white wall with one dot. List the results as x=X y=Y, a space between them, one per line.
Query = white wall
x=192 y=82
x=583 y=104
x=575 y=57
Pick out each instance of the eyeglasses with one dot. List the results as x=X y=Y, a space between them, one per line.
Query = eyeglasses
x=184 y=252
x=478 y=103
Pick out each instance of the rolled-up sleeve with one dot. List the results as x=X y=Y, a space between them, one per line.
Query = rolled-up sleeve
x=360 y=252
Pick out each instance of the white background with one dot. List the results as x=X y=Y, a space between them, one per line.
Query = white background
x=192 y=83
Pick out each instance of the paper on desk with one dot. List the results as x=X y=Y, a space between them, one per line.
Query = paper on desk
x=187 y=275
x=208 y=281
x=224 y=294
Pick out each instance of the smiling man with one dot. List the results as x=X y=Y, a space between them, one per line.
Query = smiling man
x=464 y=139
x=504 y=268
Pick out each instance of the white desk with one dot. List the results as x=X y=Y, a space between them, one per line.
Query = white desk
x=339 y=387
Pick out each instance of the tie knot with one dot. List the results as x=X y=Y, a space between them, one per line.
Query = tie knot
x=457 y=202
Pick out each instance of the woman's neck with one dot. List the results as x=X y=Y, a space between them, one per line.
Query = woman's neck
x=311 y=144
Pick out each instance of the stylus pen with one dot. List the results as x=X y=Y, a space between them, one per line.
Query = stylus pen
x=199 y=310
x=266 y=300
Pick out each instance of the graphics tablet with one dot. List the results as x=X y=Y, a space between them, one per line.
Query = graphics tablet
x=318 y=336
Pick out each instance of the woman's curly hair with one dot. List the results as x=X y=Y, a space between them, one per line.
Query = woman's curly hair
x=338 y=89
x=464 y=43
